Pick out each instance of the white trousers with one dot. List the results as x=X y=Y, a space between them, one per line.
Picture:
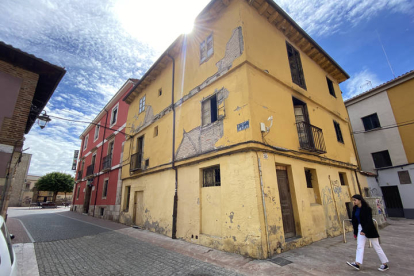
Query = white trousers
x=361 y=239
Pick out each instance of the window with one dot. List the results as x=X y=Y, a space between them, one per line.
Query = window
x=114 y=115
x=206 y=49
x=209 y=110
x=308 y=175
x=211 y=177
x=156 y=131
x=342 y=179
x=102 y=211
x=127 y=196
x=146 y=163
x=371 y=122
x=312 y=186
x=295 y=66
x=142 y=104
x=27 y=185
x=85 y=143
x=330 y=87
x=338 y=132
x=160 y=92
x=110 y=149
x=105 y=188
x=77 y=193
x=404 y=177
x=382 y=159
x=97 y=127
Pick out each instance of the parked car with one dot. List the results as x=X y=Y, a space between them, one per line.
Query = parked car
x=8 y=264
x=48 y=204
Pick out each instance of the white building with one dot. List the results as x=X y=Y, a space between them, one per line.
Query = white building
x=382 y=120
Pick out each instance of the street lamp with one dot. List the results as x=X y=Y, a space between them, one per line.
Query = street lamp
x=43 y=119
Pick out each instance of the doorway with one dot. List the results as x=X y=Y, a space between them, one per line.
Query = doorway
x=393 y=201
x=139 y=208
x=86 y=202
x=286 y=202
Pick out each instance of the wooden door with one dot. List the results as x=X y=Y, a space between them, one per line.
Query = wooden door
x=139 y=208
x=86 y=201
x=392 y=201
x=285 y=202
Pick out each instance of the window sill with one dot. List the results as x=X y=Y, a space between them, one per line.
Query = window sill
x=374 y=129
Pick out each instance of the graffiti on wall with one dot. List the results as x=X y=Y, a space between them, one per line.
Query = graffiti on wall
x=326 y=196
x=379 y=206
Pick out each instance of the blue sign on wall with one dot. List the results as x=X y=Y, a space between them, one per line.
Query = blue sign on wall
x=242 y=126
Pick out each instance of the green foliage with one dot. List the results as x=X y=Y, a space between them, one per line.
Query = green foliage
x=56 y=182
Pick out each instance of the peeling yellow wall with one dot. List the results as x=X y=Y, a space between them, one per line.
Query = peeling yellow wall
x=158 y=201
x=402 y=101
x=240 y=229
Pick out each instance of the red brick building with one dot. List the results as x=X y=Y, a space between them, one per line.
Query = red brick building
x=97 y=191
x=26 y=85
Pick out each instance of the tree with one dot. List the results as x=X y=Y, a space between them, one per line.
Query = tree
x=56 y=182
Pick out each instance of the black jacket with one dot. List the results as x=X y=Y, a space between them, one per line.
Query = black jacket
x=368 y=227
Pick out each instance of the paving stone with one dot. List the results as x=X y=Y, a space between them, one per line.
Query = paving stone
x=112 y=253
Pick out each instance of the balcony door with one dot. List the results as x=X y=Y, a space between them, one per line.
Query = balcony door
x=302 y=124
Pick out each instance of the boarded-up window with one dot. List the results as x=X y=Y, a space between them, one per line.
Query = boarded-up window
x=295 y=66
x=206 y=48
x=404 y=177
x=211 y=177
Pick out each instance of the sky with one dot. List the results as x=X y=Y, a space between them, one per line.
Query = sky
x=102 y=43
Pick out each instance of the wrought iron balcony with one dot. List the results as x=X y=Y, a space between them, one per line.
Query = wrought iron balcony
x=79 y=175
x=107 y=163
x=89 y=170
x=136 y=160
x=310 y=137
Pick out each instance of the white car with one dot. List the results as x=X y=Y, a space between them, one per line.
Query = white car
x=8 y=264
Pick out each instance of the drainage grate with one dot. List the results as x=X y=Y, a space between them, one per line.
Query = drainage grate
x=280 y=261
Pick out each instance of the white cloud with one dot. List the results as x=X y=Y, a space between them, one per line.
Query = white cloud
x=360 y=82
x=324 y=17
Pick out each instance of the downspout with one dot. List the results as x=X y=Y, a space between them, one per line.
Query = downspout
x=174 y=223
x=100 y=161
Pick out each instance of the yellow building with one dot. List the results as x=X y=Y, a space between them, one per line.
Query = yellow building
x=238 y=136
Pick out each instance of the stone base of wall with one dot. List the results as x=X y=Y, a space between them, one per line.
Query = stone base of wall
x=110 y=212
x=77 y=208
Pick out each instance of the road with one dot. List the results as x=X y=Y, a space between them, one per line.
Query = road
x=67 y=243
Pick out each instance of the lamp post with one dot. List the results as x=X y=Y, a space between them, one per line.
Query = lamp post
x=43 y=119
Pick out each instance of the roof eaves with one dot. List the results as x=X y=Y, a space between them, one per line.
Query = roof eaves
x=380 y=87
x=302 y=32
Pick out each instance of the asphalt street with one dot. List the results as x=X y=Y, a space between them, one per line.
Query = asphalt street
x=67 y=243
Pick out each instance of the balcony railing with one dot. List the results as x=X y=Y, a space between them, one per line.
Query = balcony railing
x=136 y=160
x=310 y=137
x=107 y=163
x=89 y=170
x=79 y=175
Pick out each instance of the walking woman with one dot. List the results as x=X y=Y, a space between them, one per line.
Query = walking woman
x=364 y=228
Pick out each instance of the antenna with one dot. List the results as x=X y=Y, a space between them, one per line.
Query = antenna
x=385 y=53
x=367 y=82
